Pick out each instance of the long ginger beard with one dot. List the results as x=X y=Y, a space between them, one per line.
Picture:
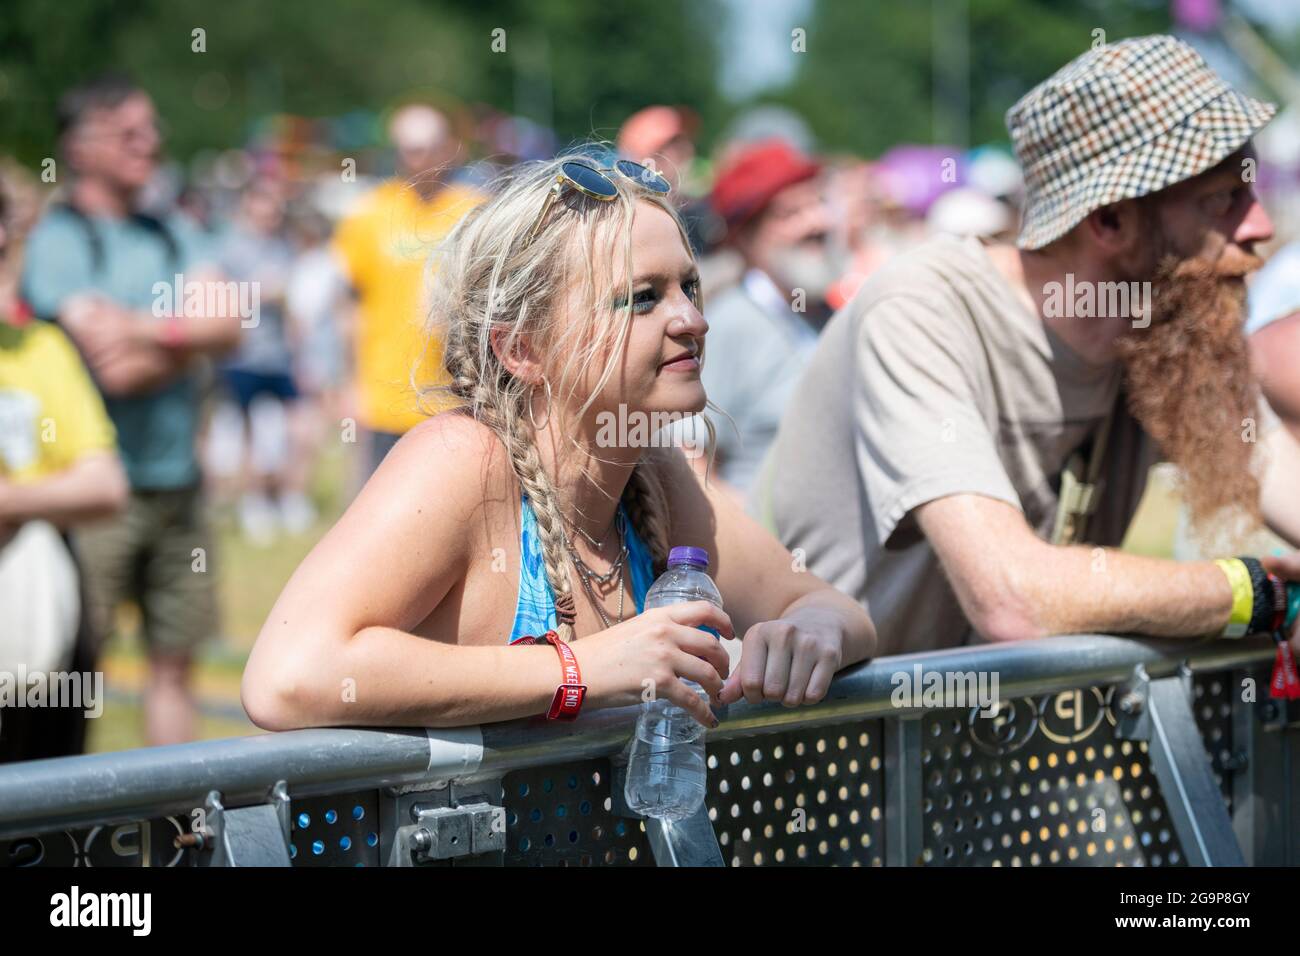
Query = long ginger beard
x=1191 y=388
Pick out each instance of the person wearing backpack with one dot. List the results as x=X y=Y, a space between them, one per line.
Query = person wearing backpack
x=111 y=276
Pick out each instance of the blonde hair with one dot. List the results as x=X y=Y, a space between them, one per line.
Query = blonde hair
x=488 y=277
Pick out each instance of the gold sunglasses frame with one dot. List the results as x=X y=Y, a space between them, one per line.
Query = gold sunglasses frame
x=564 y=182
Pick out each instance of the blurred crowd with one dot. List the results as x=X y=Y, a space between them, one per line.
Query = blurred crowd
x=135 y=405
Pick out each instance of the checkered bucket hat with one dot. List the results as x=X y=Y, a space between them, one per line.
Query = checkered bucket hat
x=1121 y=121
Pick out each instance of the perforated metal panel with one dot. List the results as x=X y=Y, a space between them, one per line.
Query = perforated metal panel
x=126 y=844
x=1045 y=782
x=809 y=798
x=1212 y=705
x=338 y=830
x=562 y=816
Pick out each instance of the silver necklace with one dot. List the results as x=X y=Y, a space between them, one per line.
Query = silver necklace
x=592 y=541
x=615 y=568
x=591 y=597
x=586 y=574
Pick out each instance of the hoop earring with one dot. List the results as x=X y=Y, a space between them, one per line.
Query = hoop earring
x=531 y=419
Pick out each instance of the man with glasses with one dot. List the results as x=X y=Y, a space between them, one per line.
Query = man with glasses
x=105 y=272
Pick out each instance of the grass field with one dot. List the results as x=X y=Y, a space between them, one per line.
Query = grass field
x=250 y=579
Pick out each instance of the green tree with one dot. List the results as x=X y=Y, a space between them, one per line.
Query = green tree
x=880 y=73
x=581 y=65
x=601 y=61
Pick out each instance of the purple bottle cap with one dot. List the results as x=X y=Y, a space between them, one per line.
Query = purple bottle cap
x=697 y=557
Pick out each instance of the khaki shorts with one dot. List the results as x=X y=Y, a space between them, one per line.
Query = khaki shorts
x=158 y=555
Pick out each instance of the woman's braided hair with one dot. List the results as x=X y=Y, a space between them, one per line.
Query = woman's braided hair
x=487 y=278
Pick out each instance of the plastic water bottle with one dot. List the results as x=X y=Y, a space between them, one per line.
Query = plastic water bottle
x=666 y=772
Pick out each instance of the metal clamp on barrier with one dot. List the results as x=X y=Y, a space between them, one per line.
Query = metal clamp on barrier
x=469 y=825
x=1132 y=707
x=246 y=836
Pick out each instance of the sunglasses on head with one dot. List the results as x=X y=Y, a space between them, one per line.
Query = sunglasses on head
x=596 y=184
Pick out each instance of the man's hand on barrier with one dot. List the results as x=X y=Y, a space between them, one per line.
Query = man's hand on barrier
x=650 y=653
x=791 y=660
x=1286 y=567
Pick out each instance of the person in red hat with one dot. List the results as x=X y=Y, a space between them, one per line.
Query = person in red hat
x=763 y=329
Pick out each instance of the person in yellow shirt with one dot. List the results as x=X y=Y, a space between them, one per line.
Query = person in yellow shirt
x=54 y=431
x=58 y=468
x=384 y=247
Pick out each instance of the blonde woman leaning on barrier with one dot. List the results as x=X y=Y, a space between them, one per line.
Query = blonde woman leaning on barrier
x=567 y=302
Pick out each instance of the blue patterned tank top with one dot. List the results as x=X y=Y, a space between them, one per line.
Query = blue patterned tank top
x=535 y=606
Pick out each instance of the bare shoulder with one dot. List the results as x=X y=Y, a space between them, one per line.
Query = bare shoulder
x=449 y=469
x=451 y=436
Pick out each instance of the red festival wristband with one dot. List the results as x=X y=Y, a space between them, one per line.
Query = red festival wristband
x=567 y=703
x=173 y=333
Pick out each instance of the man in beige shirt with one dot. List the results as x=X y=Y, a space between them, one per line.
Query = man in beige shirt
x=920 y=464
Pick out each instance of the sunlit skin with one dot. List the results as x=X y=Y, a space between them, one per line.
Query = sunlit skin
x=1188 y=373
x=406 y=595
x=1217 y=215
x=656 y=371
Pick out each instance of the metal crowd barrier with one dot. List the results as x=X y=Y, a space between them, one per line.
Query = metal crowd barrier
x=1105 y=751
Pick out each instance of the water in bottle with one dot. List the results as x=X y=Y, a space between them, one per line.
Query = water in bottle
x=666 y=773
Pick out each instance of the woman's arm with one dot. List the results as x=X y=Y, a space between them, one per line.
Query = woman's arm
x=798 y=630
x=338 y=648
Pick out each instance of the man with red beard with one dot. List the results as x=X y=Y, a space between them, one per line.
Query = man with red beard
x=973 y=435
